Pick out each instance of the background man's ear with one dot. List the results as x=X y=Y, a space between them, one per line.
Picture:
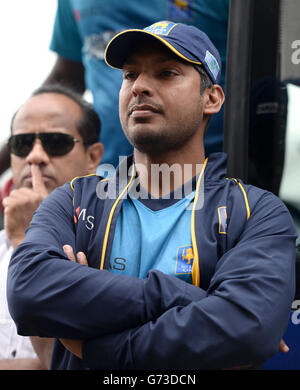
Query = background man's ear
x=95 y=153
x=215 y=100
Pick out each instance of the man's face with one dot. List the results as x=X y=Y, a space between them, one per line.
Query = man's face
x=160 y=103
x=49 y=112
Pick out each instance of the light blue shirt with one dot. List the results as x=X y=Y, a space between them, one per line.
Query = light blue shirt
x=148 y=239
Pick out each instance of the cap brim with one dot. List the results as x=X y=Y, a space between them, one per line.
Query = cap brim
x=124 y=43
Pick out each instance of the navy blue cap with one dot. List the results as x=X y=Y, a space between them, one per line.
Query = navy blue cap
x=188 y=42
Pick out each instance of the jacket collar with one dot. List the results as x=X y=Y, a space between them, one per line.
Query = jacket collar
x=215 y=171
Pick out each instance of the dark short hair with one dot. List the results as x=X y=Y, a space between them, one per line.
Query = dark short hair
x=206 y=81
x=88 y=125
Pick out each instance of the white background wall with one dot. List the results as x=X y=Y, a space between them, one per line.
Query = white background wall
x=25 y=33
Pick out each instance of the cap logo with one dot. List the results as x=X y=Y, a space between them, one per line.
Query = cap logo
x=160 y=28
x=212 y=64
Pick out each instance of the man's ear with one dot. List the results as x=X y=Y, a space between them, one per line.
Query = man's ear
x=215 y=100
x=94 y=155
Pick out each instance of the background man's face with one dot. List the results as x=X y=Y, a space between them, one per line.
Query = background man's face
x=49 y=112
x=160 y=103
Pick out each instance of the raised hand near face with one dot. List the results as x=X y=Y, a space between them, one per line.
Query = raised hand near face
x=20 y=205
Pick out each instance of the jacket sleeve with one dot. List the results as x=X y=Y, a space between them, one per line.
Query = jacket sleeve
x=239 y=322
x=50 y=296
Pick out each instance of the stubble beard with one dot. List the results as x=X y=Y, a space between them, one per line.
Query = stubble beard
x=163 y=140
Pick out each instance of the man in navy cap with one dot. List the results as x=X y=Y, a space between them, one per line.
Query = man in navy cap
x=186 y=269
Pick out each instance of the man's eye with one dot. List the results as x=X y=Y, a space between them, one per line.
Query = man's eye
x=168 y=73
x=129 y=75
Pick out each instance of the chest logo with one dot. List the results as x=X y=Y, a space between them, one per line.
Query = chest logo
x=184 y=260
x=222 y=213
x=180 y=9
x=87 y=219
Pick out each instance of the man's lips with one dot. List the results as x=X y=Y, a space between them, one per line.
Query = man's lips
x=46 y=178
x=142 y=110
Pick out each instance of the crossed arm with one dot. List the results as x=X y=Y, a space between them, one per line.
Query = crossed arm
x=132 y=323
x=75 y=346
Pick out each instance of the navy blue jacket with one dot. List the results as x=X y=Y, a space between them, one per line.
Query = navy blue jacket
x=235 y=315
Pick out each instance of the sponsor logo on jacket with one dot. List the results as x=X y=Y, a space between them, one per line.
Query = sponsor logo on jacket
x=87 y=219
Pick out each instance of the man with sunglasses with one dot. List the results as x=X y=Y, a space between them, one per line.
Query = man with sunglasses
x=54 y=138
x=201 y=280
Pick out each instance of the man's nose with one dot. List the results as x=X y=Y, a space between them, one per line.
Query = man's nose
x=142 y=85
x=37 y=154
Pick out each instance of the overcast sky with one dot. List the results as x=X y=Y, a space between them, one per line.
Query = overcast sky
x=25 y=32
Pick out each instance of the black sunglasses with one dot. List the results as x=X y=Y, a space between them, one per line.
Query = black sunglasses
x=54 y=144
